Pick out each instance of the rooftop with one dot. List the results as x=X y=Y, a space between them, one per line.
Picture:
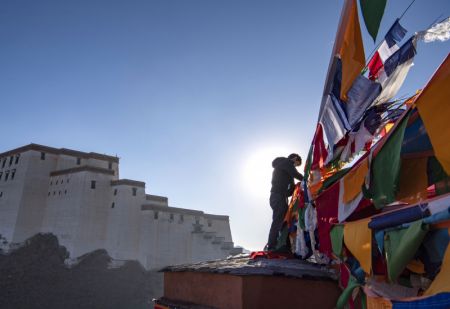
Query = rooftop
x=243 y=265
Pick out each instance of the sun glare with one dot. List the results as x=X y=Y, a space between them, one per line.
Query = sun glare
x=257 y=171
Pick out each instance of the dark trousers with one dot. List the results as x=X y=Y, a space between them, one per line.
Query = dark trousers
x=279 y=205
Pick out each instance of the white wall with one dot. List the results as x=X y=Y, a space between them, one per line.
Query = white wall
x=34 y=195
x=11 y=194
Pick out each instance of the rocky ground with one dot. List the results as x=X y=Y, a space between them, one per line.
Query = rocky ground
x=35 y=276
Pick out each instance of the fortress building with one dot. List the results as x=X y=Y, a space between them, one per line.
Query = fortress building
x=79 y=197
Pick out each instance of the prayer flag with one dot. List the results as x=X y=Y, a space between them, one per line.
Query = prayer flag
x=335 y=125
x=395 y=70
x=360 y=96
x=434 y=109
x=372 y=11
x=403 y=54
x=395 y=34
x=438 y=32
x=358 y=239
x=386 y=49
x=442 y=281
x=385 y=169
x=413 y=180
x=327 y=211
x=401 y=246
x=353 y=181
x=351 y=50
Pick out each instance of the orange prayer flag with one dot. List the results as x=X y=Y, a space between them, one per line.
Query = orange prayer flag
x=434 y=109
x=351 y=49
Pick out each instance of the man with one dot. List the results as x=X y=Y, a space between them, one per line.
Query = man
x=282 y=187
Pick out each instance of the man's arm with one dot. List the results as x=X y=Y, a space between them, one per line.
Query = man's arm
x=291 y=170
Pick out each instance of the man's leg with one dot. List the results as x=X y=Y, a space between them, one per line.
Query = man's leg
x=279 y=206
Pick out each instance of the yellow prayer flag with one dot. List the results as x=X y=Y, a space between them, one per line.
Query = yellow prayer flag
x=358 y=239
x=354 y=180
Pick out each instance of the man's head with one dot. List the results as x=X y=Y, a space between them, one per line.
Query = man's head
x=296 y=159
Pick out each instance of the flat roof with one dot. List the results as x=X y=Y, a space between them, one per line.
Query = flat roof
x=128 y=182
x=66 y=151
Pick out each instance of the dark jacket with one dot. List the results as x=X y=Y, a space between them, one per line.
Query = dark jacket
x=283 y=176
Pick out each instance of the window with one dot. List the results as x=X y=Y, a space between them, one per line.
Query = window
x=1 y=174
x=110 y=165
x=6 y=175
x=113 y=204
x=155 y=215
x=11 y=160
x=59 y=193
x=171 y=217
x=78 y=161
x=17 y=159
x=209 y=223
x=51 y=182
x=54 y=192
x=92 y=184
x=48 y=193
x=57 y=182
x=68 y=179
x=134 y=191
x=115 y=191
x=4 y=162
x=13 y=173
x=65 y=191
x=1 y=194
x=62 y=181
x=42 y=155
x=181 y=218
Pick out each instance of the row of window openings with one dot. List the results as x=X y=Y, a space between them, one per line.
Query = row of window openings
x=59 y=192
x=156 y=216
x=93 y=185
x=62 y=181
x=7 y=173
x=11 y=160
x=133 y=190
x=43 y=158
x=171 y=217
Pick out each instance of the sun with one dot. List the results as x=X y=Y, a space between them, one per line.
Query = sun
x=257 y=170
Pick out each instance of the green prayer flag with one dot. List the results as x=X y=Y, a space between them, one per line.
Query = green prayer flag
x=347 y=293
x=385 y=169
x=337 y=238
x=401 y=246
x=372 y=11
x=301 y=218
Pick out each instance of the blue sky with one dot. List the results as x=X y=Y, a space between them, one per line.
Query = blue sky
x=196 y=97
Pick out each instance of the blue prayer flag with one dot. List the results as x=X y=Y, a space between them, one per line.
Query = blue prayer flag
x=395 y=34
x=406 y=52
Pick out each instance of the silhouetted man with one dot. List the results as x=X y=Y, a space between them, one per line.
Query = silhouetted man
x=283 y=175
